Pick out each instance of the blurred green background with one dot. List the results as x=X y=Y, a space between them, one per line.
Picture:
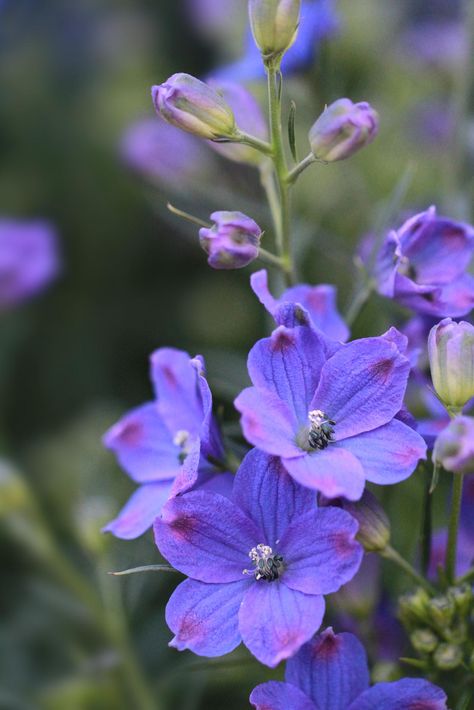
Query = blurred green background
x=73 y=76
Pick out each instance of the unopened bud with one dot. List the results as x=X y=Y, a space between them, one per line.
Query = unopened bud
x=442 y=610
x=447 y=657
x=374 y=525
x=232 y=242
x=274 y=24
x=463 y=598
x=424 y=640
x=343 y=129
x=195 y=107
x=454 y=447
x=451 y=351
x=413 y=607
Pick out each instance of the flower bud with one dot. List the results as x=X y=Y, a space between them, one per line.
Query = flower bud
x=454 y=447
x=413 y=607
x=442 y=610
x=447 y=657
x=274 y=24
x=232 y=242
x=463 y=598
x=424 y=640
x=343 y=129
x=195 y=107
x=374 y=526
x=451 y=351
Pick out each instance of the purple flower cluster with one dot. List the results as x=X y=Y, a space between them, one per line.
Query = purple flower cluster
x=331 y=673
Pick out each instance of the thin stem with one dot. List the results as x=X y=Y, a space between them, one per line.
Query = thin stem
x=267 y=179
x=269 y=258
x=279 y=162
x=254 y=142
x=458 y=480
x=188 y=217
x=294 y=174
x=390 y=554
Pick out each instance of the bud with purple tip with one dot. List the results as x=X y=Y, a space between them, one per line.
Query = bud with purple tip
x=232 y=242
x=451 y=351
x=274 y=24
x=195 y=107
x=454 y=447
x=343 y=129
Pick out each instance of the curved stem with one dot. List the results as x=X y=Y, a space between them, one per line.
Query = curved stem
x=458 y=480
x=294 y=174
x=390 y=554
x=254 y=142
x=269 y=258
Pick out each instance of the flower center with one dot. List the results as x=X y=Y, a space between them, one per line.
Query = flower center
x=321 y=429
x=405 y=268
x=181 y=439
x=267 y=565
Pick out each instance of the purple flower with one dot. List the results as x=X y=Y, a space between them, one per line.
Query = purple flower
x=232 y=242
x=163 y=153
x=329 y=410
x=342 y=129
x=164 y=445
x=454 y=447
x=258 y=564
x=423 y=265
x=318 y=301
x=331 y=673
x=29 y=259
x=249 y=118
x=318 y=22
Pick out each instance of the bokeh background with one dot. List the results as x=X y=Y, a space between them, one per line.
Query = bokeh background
x=74 y=76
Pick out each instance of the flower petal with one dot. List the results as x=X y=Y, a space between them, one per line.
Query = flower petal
x=289 y=364
x=331 y=670
x=140 y=511
x=268 y=422
x=269 y=496
x=276 y=621
x=332 y=471
x=204 y=617
x=406 y=694
x=280 y=696
x=143 y=445
x=320 y=551
x=388 y=454
x=362 y=386
x=259 y=285
x=206 y=536
x=320 y=302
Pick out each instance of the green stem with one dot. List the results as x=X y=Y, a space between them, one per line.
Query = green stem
x=390 y=554
x=466 y=577
x=254 y=142
x=294 y=174
x=188 y=217
x=267 y=179
x=281 y=171
x=458 y=480
x=269 y=258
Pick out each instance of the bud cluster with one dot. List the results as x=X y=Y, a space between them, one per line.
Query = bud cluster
x=441 y=628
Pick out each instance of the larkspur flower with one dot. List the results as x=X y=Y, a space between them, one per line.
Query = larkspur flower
x=331 y=673
x=423 y=265
x=258 y=565
x=454 y=447
x=29 y=259
x=451 y=353
x=329 y=410
x=319 y=302
x=343 y=129
x=232 y=242
x=164 y=445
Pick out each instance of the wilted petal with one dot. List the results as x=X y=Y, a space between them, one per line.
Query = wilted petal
x=276 y=621
x=206 y=537
x=280 y=696
x=320 y=552
x=406 y=694
x=204 y=617
x=332 y=471
x=140 y=511
x=331 y=669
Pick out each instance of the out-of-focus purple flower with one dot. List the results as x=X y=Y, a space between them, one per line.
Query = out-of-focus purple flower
x=215 y=16
x=331 y=673
x=423 y=265
x=162 y=152
x=29 y=259
x=318 y=301
x=454 y=447
x=432 y=124
x=195 y=107
x=249 y=118
x=464 y=552
x=451 y=352
x=232 y=242
x=342 y=129
x=318 y=22
x=274 y=24
x=164 y=445
x=258 y=565
x=439 y=44
x=330 y=410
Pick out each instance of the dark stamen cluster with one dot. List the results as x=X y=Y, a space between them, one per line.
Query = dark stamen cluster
x=321 y=430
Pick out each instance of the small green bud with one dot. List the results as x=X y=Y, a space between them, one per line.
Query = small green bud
x=424 y=640
x=274 y=24
x=447 y=657
x=413 y=608
x=442 y=610
x=457 y=634
x=374 y=525
x=462 y=597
